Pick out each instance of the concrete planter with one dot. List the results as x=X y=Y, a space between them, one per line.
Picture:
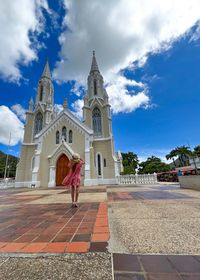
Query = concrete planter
x=190 y=182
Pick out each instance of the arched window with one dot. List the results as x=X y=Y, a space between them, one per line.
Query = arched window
x=99 y=164
x=41 y=93
x=64 y=133
x=70 y=136
x=95 y=87
x=38 y=123
x=96 y=119
x=57 y=137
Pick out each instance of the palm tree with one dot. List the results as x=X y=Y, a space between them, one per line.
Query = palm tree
x=193 y=155
x=171 y=155
x=197 y=151
x=183 y=153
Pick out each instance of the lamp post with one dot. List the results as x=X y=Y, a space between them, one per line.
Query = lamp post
x=5 y=171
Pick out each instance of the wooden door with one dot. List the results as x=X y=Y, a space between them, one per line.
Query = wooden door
x=62 y=169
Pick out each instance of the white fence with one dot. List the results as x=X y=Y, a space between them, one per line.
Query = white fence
x=121 y=180
x=7 y=183
x=137 y=179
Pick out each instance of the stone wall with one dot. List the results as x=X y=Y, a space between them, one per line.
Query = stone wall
x=190 y=182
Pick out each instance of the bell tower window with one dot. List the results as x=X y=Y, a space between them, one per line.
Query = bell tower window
x=41 y=93
x=96 y=120
x=95 y=87
x=38 y=123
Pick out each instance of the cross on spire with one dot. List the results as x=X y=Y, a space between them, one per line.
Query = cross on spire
x=94 y=66
x=46 y=72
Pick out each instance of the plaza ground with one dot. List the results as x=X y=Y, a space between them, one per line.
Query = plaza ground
x=117 y=232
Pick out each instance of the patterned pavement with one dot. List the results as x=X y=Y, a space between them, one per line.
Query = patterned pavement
x=27 y=225
x=42 y=221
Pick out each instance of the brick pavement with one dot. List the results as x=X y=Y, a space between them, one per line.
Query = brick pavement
x=40 y=221
x=36 y=228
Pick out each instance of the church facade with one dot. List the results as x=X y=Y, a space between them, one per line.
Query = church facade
x=51 y=138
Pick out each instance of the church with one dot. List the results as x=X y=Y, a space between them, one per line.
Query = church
x=52 y=137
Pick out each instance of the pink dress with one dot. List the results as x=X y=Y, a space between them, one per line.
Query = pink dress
x=73 y=178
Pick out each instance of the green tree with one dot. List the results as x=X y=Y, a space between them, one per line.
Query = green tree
x=172 y=155
x=197 y=150
x=183 y=153
x=130 y=163
x=12 y=165
x=153 y=164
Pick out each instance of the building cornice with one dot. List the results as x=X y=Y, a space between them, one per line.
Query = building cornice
x=29 y=144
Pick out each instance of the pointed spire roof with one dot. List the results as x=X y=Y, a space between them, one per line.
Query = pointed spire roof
x=46 y=72
x=94 y=66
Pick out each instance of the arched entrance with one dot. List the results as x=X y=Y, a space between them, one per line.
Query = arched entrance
x=62 y=169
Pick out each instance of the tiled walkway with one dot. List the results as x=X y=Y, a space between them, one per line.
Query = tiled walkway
x=54 y=227
x=148 y=221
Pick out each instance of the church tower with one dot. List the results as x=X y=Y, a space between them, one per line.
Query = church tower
x=96 y=110
x=97 y=116
x=44 y=100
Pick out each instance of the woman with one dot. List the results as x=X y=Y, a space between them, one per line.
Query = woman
x=74 y=177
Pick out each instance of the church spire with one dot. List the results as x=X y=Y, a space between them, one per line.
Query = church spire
x=46 y=72
x=94 y=66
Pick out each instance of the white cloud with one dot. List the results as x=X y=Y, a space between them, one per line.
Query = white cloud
x=59 y=107
x=20 y=111
x=10 y=124
x=77 y=106
x=160 y=153
x=20 y=23
x=122 y=32
x=123 y=100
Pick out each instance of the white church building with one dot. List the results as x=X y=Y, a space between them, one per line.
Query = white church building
x=50 y=138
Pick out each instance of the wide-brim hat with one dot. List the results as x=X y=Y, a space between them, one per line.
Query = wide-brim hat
x=76 y=157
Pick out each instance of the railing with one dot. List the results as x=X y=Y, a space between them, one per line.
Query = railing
x=137 y=179
x=7 y=183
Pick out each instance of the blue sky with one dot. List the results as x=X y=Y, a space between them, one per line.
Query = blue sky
x=150 y=66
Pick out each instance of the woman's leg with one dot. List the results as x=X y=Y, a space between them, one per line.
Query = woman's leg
x=76 y=194
x=72 y=194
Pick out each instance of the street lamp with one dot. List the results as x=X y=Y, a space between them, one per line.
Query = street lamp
x=6 y=166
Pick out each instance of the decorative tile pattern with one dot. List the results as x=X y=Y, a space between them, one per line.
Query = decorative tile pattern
x=51 y=227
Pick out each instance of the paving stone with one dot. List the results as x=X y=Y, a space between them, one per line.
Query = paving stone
x=157 y=264
x=126 y=262
x=98 y=247
x=163 y=276
x=128 y=276
x=185 y=264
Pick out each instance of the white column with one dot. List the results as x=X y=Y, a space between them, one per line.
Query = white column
x=35 y=179
x=52 y=176
x=87 y=160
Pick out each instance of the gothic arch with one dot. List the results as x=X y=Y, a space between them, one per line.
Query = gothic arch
x=62 y=168
x=64 y=133
x=97 y=121
x=38 y=123
x=57 y=137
